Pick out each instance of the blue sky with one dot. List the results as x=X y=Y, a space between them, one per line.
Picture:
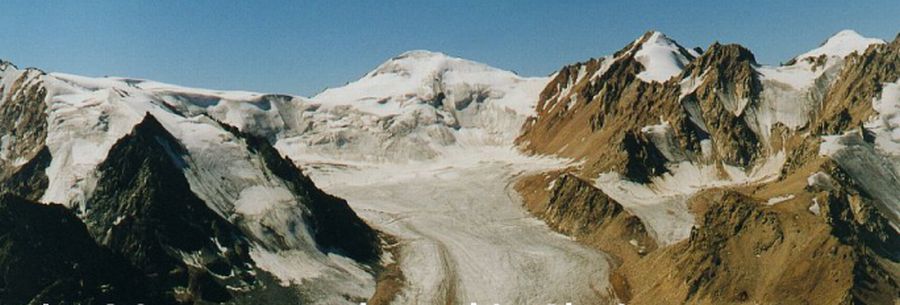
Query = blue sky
x=302 y=47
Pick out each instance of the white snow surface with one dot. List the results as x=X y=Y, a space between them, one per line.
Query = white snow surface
x=792 y=92
x=804 y=71
x=779 y=199
x=841 y=44
x=661 y=57
x=662 y=203
x=418 y=77
x=466 y=236
x=815 y=208
x=412 y=107
x=820 y=181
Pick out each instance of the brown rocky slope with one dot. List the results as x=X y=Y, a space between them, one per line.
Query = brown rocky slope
x=808 y=233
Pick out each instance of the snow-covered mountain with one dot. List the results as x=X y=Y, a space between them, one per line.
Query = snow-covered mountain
x=162 y=180
x=83 y=142
x=414 y=106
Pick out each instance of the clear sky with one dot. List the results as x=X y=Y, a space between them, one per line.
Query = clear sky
x=302 y=47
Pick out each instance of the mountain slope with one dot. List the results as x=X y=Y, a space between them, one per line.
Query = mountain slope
x=143 y=210
x=695 y=177
x=419 y=105
x=195 y=204
x=715 y=161
x=49 y=257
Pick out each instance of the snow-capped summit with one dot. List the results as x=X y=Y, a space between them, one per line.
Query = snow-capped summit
x=842 y=44
x=420 y=76
x=412 y=107
x=661 y=57
x=804 y=69
x=418 y=63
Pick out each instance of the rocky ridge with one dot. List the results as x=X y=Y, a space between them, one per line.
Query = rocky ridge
x=721 y=164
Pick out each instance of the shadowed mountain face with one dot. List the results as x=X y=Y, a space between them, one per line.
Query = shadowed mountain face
x=761 y=185
x=143 y=209
x=49 y=257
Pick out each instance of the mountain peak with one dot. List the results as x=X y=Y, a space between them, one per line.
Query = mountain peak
x=419 y=76
x=656 y=37
x=842 y=44
x=661 y=56
x=419 y=54
x=424 y=63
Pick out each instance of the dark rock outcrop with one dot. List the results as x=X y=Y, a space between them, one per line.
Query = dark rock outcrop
x=144 y=210
x=30 y=179
x=23 y=119
x=48 y=257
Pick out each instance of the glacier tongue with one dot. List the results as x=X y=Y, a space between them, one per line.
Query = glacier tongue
x=422 y=147
x=466 y=236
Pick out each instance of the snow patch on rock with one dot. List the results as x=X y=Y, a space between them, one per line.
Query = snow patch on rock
x=662 y=203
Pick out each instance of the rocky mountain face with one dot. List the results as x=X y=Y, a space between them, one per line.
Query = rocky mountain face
x=49 y=257
x=143 y=210
x=23 y=128
x=125 y=193
x=756 y=184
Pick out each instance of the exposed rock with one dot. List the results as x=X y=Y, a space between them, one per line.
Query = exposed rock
x=29 y=180
x=743 y=252
x=576 y=208
x=48 y=257
x=23 y=121
x=774 y=240
x=144 y=210
x=729 y=86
